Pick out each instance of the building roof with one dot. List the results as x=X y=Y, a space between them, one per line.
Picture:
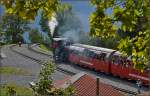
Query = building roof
x=85 y=85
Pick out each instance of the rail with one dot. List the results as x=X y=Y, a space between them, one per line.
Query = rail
x=126 y=91
x=40 y=61
x=30 y=48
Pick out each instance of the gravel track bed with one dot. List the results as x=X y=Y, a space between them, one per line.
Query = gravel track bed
x=24 y=50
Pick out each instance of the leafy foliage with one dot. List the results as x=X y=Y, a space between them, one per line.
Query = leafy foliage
x=44 y=78
x=131 y=17
x=45 y=82
x=27 y=9
x=35 y=36
x=13 y=28
x=45 y=28
x=2 y=34
x=44 y=24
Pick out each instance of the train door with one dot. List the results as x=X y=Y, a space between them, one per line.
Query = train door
x=101 y=63
x=74 y=56
x=115 y=67
x=96 y=61
x=104 y=65
x=86 y=58
x=125 y=68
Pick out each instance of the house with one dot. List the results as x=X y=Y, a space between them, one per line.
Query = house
x=86 y=85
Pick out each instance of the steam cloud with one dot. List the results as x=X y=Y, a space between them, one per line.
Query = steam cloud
x=68 y=26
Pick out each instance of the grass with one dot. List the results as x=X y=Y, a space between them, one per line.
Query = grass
x=12 y=70
x=42 y=46
x=20 y=91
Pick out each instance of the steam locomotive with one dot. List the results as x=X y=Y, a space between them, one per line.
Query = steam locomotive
x=100 y=59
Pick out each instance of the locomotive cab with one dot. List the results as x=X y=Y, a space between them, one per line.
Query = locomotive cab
x=59 y=49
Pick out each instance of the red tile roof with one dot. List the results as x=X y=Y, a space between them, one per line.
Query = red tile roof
x=59 y=83
x=85 y=85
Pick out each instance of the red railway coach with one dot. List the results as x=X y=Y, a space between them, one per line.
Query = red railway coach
x=104 y=60
x=107 y=61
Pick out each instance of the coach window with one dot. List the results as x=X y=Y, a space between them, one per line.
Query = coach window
x=94 y=55
x=71 y=51
x=147 y=69
x=80 y=53
x=115 y=59
x=129 y=63
x=91 y=54
x=86 y=53
x=75 y=52
x=103 y=55
x=125 y=62
x=122 y=61
x=97 y=56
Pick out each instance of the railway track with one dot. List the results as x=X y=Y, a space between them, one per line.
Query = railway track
x=130 y=93
x=30 y=48
x=41 y=61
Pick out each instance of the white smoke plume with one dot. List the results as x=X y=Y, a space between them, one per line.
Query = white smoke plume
x=52 y=24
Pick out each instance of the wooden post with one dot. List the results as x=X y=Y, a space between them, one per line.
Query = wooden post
x=97 y=87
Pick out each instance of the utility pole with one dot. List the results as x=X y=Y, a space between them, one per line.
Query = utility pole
x=97 y=87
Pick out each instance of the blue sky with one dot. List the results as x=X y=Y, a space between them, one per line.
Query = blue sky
x=1 y=10
x=82 y=8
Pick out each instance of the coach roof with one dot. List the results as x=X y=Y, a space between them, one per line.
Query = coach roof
x=94 y=48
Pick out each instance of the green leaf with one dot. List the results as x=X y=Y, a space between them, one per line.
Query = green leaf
x=10 y=10
x=136 y=12
x=130 y=29
x=124 y=28
x=133 y=22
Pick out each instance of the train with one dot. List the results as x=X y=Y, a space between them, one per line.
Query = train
x=99 y=59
